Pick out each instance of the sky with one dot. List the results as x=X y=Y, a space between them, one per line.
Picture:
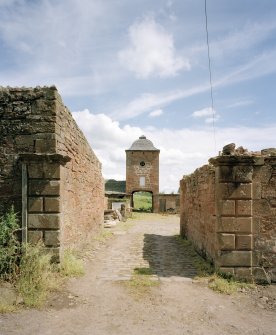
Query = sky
x=130 y=68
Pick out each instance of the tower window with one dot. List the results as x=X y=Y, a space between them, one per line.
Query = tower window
x=142 y=181
x=142 y=163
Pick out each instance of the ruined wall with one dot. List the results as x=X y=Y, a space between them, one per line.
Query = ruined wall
x=197 y=210
x=65 y=199
x=169 y=203
x=244 y=238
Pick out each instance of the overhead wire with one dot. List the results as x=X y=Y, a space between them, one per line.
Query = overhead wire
x=210 y=75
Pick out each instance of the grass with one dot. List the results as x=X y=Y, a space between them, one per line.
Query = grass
x=7 y=308
x=103 y=235
x=218 y=282
x=227 y=285
x=141 y=282
x=71 y=265
x=142 y=201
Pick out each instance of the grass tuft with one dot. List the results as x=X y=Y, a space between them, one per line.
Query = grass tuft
x=7 y=308
x=71 y=266
x=226 y=285
x=36 y=275
x=143 y=271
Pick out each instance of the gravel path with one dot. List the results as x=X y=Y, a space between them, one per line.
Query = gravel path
x=102 y=303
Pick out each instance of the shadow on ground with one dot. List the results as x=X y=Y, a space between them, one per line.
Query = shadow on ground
x=168 y=257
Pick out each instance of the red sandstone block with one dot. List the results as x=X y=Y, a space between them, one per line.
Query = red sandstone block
x=244 y=242
x=45 y=145
x=235 y=258
x=35 y=204
x=52 y=204
x=244 y=273
x=44 y=187
x=233 y=225
x=242 y=174
x=235 y=191
x=52 y=238
x=244 y=208
x=228 y=207
x=35 y=236
x=226 y=241
x=46 y=170
x=44 y=221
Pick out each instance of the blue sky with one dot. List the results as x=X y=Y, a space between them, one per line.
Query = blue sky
x=126 y=68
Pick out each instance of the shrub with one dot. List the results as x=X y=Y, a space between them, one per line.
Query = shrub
x=10 y=248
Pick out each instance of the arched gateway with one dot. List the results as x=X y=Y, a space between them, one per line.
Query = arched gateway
x=142 y=169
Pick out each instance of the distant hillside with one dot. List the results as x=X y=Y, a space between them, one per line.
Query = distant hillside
x=115 y=185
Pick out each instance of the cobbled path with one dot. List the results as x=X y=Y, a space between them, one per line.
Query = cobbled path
x=150 y=243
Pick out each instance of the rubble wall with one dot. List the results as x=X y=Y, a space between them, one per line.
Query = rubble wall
x=197 y=210
x=65 y=196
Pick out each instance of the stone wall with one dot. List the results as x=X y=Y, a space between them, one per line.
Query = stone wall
x=169 y=203
x=243 y=239
x=197 y=209
x=64 y=185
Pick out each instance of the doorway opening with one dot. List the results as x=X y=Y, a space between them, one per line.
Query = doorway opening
x=142 y=201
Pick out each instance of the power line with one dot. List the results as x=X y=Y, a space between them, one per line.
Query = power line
x=210 y=75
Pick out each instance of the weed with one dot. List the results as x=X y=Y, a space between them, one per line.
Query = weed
x=36 y=275
x=9 y=246
x=143 y=271
x=103 y=235
x=71 y=266
x=226 y=285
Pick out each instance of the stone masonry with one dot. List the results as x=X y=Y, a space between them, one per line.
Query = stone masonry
x=228 y=210
x=64 y=198
x=142 y=169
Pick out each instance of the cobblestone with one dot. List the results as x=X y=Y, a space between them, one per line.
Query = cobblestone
x=150 y=243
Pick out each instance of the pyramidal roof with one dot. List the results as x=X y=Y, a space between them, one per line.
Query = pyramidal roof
x=142 y=144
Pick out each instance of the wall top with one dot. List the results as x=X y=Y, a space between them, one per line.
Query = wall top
x=142 y=144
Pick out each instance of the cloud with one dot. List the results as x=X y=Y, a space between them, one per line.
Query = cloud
x=241 y=103
x=181 y=150
x=156 y=113
x=209 y=115
x=151 y=51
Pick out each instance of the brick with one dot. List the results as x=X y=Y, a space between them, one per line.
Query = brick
x=235 y=191
x=244 y=208
x=244 y=242
x=226 y=241
x=52 y=204
x=235 y=258
x=35 y=204
x=52 y=238
x=242 y=174
x=44 y=187
x=44 y=221
x=35 y=236
x=228 y=207
x=233 y=225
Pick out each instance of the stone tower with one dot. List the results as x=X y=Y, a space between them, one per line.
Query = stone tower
x=142 y=169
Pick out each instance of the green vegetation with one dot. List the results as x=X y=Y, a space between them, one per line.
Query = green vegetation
x=218 y=282
x=10 y=248
x=29 y=268
x=143 y=271
x=71 y=266
x=229 y=285
x=142 y=201
x=115 y=185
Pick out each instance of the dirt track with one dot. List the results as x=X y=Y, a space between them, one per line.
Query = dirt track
x=100 y=303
